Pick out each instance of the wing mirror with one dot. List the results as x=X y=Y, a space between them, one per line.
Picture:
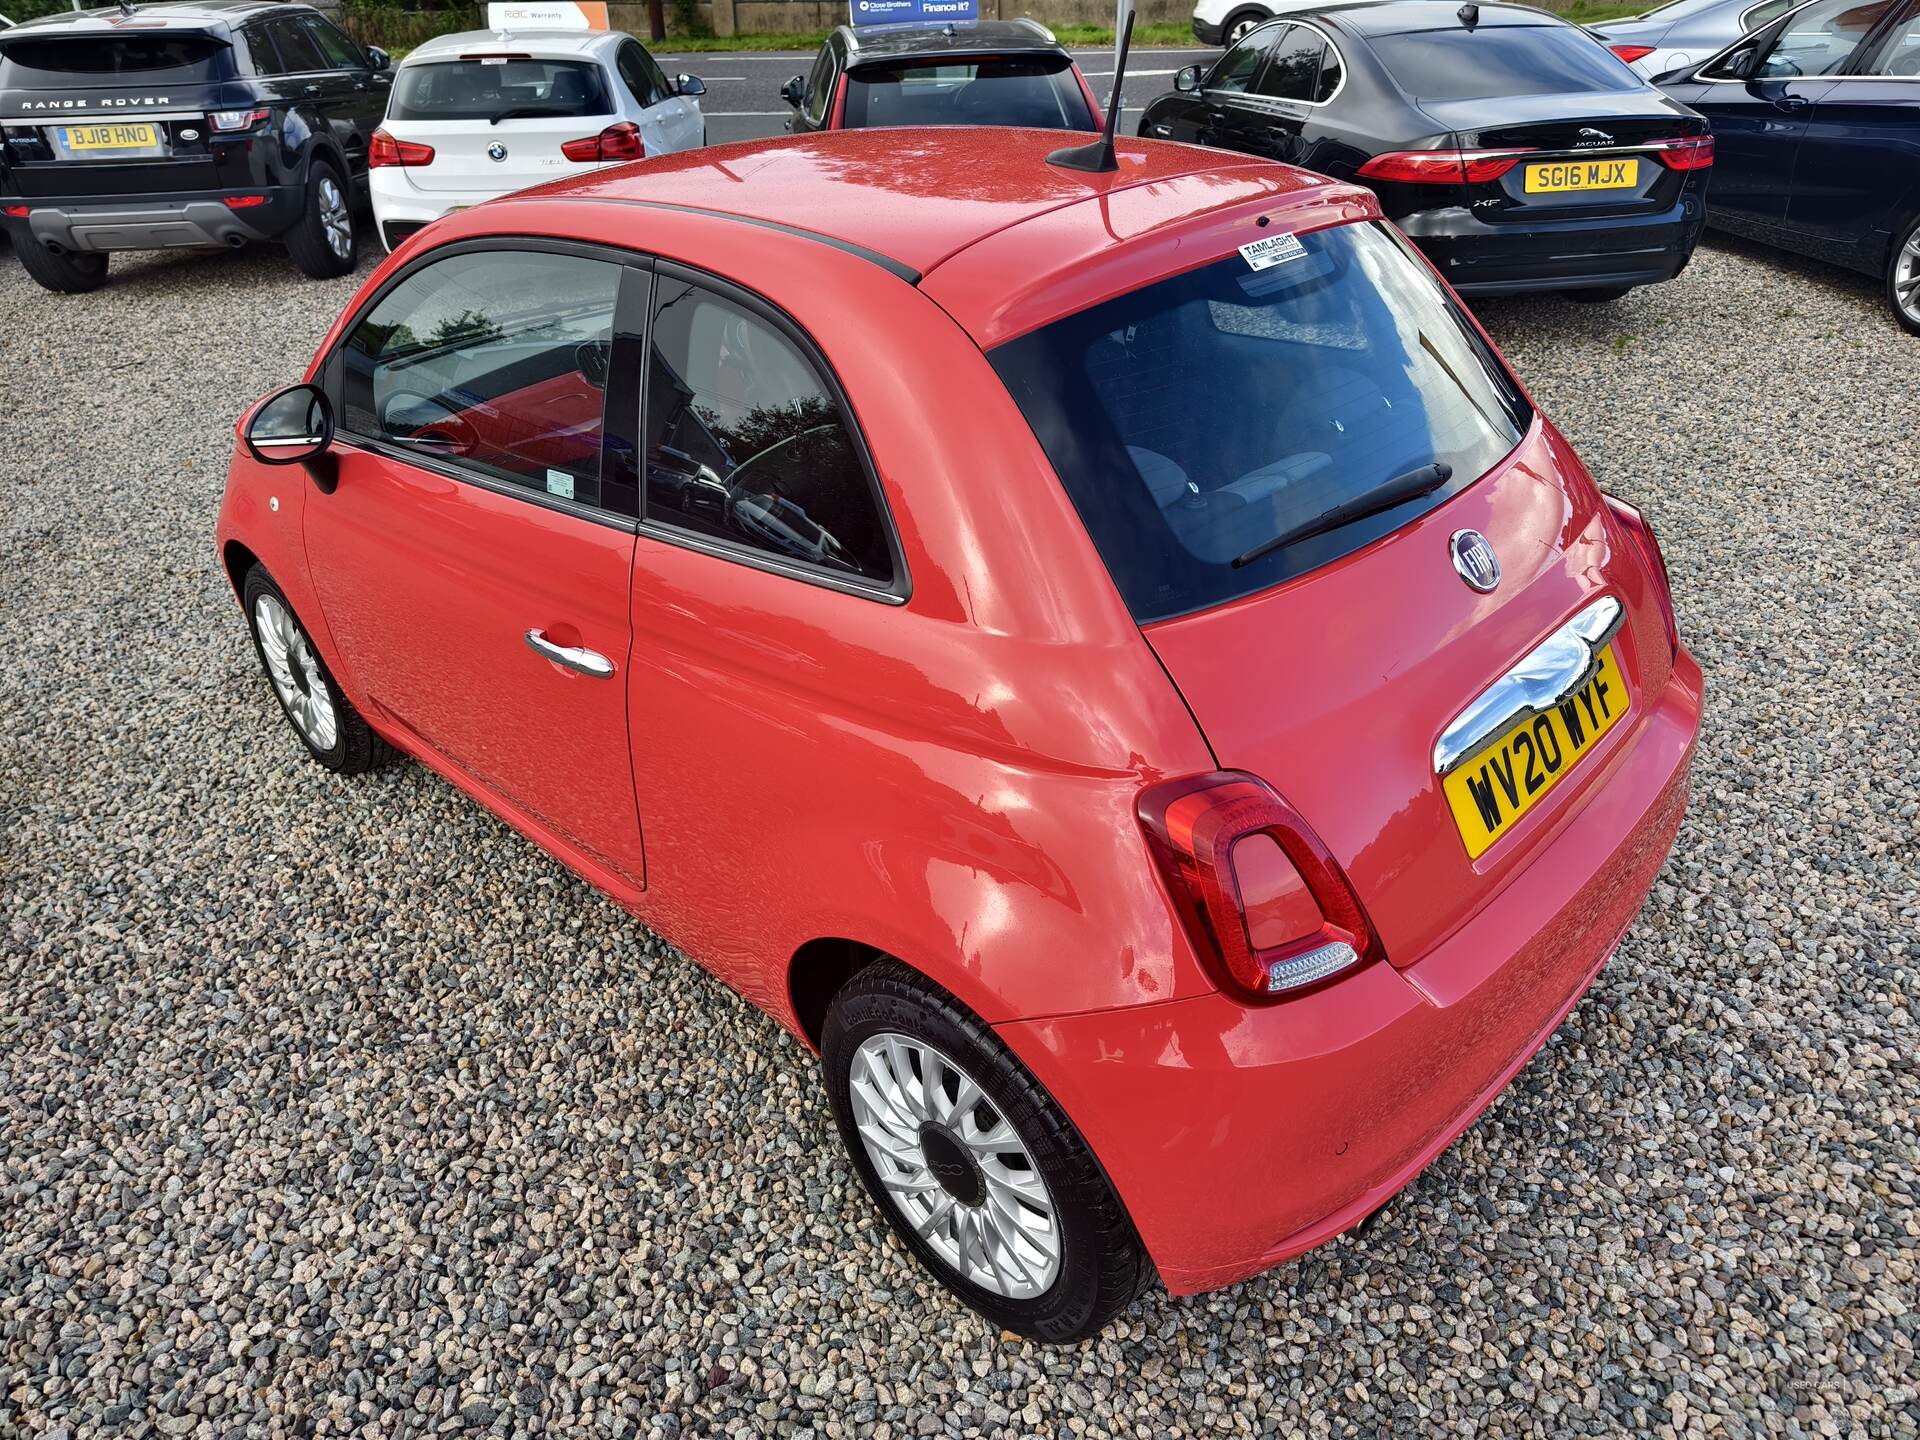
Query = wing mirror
x=378 y=59
x=794 y=91
x=1188 y=79
x=690 y=85
x=290 y=426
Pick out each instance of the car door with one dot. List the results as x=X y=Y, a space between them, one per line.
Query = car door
x=668 y=121
x=1201 y=117
x=474 y=559
x=361 y=90
x=1859 y=167
x=1759 y=97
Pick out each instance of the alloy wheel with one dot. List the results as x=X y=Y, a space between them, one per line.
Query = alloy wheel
x=295 y=672
x=1906 y=278
x=953 y=1166
x=334 y=219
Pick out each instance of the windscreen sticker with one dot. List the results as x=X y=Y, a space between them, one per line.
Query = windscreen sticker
x=560 y=483
x=1274 y=250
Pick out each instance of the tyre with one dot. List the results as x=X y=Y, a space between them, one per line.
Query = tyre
x=322 y=239
x=324 y=719
x=1903 y=277
x=64 y=273
x=975 y=1167
x=1239 y=25
x=1602 y=296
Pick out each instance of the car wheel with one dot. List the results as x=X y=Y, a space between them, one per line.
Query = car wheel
x=977 y=1170
x=322 y=239
x=1239 y=26
x=1903 y=278
x=1602 y=296
x=63 y=272
x=324 y=719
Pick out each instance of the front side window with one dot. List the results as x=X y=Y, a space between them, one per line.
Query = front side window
x=1039 y=92
x=499 y=90
x=1293 y=69
x=641 y=76
x=820 y=86
x=1507 y=60
x=299 y=51
x=1899 y=55
x=746 y=445
x=1235 y=71
x=340 y=52
x=1821 y=39
x=496 y=361
x=1764 y=14
x=1202 y=418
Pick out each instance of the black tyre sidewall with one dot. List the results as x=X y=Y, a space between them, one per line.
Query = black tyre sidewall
x=1598 y=295
x=338 y=759
x=62 y=274
x=1076 y=1304
x=307 y=241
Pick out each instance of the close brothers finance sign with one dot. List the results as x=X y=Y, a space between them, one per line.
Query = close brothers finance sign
x=912 y=12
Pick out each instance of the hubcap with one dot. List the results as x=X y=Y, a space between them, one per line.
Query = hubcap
x=1906 y=278
x=295 y=672
x=334 y=219
x=953 y=1167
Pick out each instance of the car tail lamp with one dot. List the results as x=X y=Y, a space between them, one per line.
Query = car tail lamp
x=1442 y=167
x=1631 y=53
x=229 y=122
x=384 y=150
x=243 y=202
x=19 y=212
x=1263 y=900
x=616 y=142
x=1636 y=526
x=1685 y=152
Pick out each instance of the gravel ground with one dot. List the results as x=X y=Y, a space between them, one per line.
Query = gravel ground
x=333 y=1108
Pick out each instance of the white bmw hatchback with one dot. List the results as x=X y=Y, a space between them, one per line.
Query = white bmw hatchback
x=484 y=113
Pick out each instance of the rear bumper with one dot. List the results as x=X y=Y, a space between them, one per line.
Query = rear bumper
x=1478 y=258
x=1239 y=1137
x=157 y=222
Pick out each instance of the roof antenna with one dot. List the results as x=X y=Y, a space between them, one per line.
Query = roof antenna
x=1097 y=158
x=1469 y=14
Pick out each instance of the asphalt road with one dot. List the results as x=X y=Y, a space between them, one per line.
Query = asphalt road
x=743 y=89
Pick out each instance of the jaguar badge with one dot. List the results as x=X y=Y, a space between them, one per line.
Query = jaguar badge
x=1474 y=560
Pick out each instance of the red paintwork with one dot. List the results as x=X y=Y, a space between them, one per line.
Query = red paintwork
x=954 y=780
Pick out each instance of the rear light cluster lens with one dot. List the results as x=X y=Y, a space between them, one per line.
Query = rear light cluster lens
x=1631 y=53
x=228 y=122
x=616 y=142
x=19 y=212
x=1636 y=526
x=384 y=150
x=1263 y=900
x=244 y=202
x=1442 y=167
x=1685 y=152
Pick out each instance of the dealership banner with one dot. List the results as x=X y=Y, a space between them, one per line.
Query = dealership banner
x=915 y=12
x=547 y=15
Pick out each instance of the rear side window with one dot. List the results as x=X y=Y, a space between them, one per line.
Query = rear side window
x=746 y=445
x=1202 y=416
x=499 y=89
x=175 y=59
x=1507 y=60
x=495 y=361
x=1039 y=92
x=1293 y=68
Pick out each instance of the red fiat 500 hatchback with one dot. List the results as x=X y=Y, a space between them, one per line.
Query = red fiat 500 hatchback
x=1114 y=661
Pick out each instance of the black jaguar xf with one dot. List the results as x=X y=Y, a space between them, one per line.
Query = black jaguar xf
x=1512 y=147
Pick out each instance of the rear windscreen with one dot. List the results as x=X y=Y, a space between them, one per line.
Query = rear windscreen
x=1040 y=92
x=1198 y=418
x=1462 y=64
x=27 y=63
x=498 y=90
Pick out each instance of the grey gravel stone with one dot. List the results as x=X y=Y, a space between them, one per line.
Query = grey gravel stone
x=336 y=1109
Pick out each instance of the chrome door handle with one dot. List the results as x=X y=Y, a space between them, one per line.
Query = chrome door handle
x=587 y=662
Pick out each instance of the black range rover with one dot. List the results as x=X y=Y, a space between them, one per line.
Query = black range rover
x=206 y=124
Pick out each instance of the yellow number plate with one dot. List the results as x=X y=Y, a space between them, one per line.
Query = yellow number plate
x=112 y=137
x=1582 y=175
x=1493 y=790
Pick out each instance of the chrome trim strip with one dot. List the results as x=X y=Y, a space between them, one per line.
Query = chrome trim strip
x=1543 y=677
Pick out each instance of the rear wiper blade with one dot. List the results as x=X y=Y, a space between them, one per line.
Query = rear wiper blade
x=1397 y=491
x=522 y=114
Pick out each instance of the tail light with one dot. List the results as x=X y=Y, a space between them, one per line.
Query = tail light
x=1262 y=899
x=616 y=142
x=19 y=212
x=1631 y=53
x=1685 y=152
x=1442 y=167
x=384 y=150
x=243 y=202
x=229 y=122
x=1636 y=526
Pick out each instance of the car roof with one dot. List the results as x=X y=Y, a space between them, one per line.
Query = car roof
x=186 y=12
x=1403 y=17
x=877 y=44
x=528 y=42
x=913 y=199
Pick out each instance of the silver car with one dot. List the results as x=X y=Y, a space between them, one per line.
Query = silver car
x=1685 y=31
